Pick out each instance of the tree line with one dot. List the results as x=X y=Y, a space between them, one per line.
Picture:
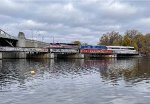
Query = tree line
x=139 y=41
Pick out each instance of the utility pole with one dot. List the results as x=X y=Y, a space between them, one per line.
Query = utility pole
x=42 y=38
x=39 y=35
x=31 y=34
x=53 y=39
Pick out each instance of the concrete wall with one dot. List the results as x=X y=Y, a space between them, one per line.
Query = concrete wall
x=87 y=56
x=10 y=55
x=34 y=43
x=1 y=55
x=75 y=56
x=23 y=42
x=23 y=55
x=13 y=55
x=29 y=43
x=1 y=65
x=40 y=55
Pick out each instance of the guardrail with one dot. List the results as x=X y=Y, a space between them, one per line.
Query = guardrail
x=64 y=50
x=95 y=51
x=19 y=49
x=125 y=51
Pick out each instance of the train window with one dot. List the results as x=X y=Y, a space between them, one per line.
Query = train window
x=86 y=46
x=131 y=48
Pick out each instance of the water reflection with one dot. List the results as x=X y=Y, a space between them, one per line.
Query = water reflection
x=130 y=70
x=109 y=81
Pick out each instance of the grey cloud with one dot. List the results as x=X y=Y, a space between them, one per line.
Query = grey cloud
x=68 y=20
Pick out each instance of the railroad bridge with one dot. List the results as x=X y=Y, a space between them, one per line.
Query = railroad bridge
x=20 y=47
x=108 y=51
x=63 y=50
x=7 y=40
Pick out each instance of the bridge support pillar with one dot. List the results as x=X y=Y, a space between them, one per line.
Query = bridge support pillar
x=80 y=55
x=114 y=55
x=22 y=55
x=1 y=65
x=111 y=56
x=51 y=55
x=77 y=56
x=1 y=55
x=21 y=40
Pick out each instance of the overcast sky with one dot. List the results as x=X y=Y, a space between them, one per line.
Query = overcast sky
x=69 y=20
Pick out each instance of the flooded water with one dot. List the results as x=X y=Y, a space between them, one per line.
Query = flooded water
x=108 y=81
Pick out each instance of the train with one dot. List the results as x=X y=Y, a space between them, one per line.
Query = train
x=97 y=47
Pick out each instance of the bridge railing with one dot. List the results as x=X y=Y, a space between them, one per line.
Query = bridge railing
x=95 y=51
x=19 y=49
x=125 y=52
x=3 y=34
x=64 y=50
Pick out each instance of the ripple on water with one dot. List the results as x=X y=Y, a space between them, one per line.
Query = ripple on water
x=119 y=81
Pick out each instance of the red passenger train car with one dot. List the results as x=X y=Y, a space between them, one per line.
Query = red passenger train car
x=95 y=51
x=89 y=49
